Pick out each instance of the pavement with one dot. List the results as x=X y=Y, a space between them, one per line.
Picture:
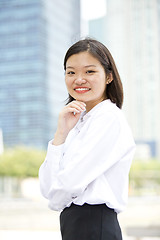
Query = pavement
x=24 y=218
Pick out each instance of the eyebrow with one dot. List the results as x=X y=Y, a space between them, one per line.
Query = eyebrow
x=84 y=66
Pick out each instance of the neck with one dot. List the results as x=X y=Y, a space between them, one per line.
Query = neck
x=89 y=106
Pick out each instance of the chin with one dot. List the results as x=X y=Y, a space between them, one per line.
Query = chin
x=81 y=99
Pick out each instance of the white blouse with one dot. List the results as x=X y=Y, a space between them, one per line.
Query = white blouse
x=92 y=165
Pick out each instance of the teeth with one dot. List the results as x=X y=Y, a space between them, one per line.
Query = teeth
x=82 y=89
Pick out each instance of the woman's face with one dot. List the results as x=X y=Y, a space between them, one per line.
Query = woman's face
x=85 y=79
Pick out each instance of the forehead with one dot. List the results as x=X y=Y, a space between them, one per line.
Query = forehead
x=82 y=59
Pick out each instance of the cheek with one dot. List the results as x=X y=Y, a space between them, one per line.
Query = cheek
x=101 y=82
x=103 y=86
x=68 y=84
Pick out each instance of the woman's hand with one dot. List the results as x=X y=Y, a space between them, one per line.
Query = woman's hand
x=68 y=118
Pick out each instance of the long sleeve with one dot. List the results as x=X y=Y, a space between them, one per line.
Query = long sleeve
x=49 y=169
x=103 y=141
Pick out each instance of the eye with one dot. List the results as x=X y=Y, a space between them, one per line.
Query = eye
x=90 y=71
x=70 y=73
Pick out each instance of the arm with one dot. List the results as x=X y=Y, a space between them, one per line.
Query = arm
x=68 y=118
x=91 y=155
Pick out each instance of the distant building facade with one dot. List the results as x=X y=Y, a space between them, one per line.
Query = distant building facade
x=131 y=30
x=34 y=35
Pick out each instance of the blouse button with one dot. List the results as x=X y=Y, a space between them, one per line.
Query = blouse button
x=73 y=197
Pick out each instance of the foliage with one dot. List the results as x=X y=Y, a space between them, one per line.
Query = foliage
x=145 y=169
x=151 y=164
x=21 y=162
x=145 y=176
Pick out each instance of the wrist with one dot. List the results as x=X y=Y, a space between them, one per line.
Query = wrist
x=59 y=138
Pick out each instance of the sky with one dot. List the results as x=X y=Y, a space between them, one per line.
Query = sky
x=92 y=9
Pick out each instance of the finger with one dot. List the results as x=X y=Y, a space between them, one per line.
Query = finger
x=74 y=110
x=71 y=109
x=77 y=105
x=80 y=108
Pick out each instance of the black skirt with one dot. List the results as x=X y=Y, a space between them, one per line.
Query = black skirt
x=89 y=222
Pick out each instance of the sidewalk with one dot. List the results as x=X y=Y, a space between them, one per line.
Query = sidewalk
x=41 y=235
x=31 y=235
x=31 y=219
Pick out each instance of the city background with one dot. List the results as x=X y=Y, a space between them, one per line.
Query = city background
x=34 y=36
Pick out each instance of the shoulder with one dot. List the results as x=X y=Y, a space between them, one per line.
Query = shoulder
x=107 y=113
x=106 y=110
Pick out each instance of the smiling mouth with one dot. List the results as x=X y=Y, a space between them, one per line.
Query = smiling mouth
x=82 y=90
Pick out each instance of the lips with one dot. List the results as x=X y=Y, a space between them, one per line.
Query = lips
x=81 y=89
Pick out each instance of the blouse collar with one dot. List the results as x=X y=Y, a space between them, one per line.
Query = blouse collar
x=85 y=115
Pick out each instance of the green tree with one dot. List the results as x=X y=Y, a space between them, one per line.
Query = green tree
x=21 y=162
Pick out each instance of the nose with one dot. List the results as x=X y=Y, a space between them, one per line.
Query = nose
x=80 y=80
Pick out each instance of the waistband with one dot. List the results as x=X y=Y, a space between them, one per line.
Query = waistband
x=93 y=207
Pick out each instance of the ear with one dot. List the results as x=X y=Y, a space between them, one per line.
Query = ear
x=109 y=78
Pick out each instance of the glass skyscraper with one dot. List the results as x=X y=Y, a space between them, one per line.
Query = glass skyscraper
x=131 y=30
x=34 y=35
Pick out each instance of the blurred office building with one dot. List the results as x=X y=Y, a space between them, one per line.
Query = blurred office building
x=34 y=36
x=131 y=30
x=1 y=142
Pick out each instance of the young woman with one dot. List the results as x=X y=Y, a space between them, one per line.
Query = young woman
x=85 y=173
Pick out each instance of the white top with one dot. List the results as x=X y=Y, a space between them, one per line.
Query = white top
x=92 y=165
